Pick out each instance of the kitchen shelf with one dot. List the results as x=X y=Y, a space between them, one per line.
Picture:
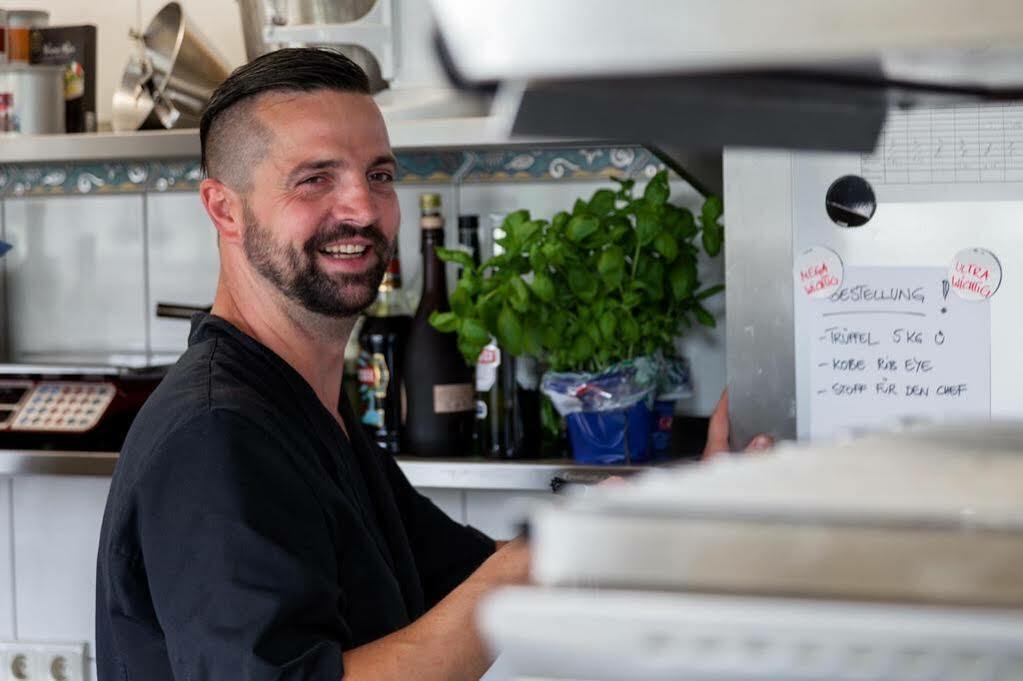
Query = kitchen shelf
x=466 y=474
x=406 y=135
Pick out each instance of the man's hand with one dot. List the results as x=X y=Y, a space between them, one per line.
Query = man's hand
x=718 y=429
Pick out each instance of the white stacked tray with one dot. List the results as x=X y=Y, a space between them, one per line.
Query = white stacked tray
x=934 y=517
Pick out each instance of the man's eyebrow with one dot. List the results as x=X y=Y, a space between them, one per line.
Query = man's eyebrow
x=384 y=159
x=309 y=166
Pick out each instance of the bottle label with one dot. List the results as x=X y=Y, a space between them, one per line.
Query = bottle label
x=481 y=410
x=454 y=397
x=487 y=365
x=374 y=377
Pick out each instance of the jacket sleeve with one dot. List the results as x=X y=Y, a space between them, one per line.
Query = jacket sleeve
x=446 y=552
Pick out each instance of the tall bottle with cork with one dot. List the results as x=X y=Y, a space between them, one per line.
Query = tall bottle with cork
x=439 y=384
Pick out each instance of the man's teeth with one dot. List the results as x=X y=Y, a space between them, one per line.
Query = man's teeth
x=345 y=249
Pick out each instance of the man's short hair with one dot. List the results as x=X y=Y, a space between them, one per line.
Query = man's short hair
x=231 y=139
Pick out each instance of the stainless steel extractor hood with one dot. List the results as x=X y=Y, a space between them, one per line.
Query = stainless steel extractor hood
x=800 y=74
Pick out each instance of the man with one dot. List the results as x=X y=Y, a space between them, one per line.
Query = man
x=252 y=531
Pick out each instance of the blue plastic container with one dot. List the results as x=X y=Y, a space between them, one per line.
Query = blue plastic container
x=660 y=430
x=599 y=437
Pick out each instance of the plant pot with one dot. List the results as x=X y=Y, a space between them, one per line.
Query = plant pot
x=611 y=437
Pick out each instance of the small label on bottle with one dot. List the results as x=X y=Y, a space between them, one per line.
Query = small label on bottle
x=481 y=410
x=454 y=397
x=374 y=378
x=487 y=365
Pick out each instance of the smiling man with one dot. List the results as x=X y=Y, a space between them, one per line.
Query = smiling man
x=252 y=532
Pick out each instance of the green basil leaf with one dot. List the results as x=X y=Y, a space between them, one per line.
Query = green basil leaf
x=653 y=276
x=657 y=191
x=608 y=325
x=611 y=259
x=581 y=226
x=703 y=316
x=710 y=291
x=526 y=230
x=531 y=340
x=559 y=221
x=509 y=331
x=629 y=329
x=603 y=202
x=580 y=207
x=712 y=238
x=543 y=287
x=461 y=302
x=683 y=279
x=456 y=256
x=712 y=209
x=514 y=219
x=473 y=331
x=582 y=348
x=647 y=225
x=445 y=322
x=665 y=244
x=583 y=284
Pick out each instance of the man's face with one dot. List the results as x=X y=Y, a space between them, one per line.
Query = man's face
x=321 y=215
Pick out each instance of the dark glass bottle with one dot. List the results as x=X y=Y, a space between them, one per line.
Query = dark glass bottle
x=508 y=405
x=507 y=400
x=469 y=239
x=439 y=384
x=382 y=340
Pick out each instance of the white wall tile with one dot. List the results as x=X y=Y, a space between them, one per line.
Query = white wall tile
x=183 y=263
x=75 y=274
x=451 y=501
x=56 y=534
x=7 y=631
x=499 y=514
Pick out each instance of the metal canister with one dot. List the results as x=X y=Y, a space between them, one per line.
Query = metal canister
x=38 y=98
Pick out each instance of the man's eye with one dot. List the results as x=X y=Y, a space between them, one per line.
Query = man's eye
x=315 y=179
x=381 y=176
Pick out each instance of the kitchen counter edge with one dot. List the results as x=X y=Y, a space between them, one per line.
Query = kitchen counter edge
x=480 y=474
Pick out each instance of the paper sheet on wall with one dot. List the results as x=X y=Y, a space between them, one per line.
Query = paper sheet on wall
x=891 y=346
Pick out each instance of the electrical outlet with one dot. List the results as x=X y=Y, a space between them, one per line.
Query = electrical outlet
x=29 y=661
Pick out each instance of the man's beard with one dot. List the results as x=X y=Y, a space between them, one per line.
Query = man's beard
x=298 y=276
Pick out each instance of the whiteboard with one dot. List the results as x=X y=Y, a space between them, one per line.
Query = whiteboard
x=930 y=206
x=892 y=346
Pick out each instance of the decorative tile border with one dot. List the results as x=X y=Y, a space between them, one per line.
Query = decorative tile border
x=533 y=165
x=434 y=167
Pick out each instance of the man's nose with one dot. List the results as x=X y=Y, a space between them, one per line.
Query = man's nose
x=355 y=203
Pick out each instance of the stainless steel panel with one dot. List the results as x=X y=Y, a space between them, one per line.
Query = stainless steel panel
x=75 y=275
x=183 y=263
x=759 y=301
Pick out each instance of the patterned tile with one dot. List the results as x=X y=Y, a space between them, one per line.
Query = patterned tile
x=553 y=164
x=547 y=164
x=429 y=167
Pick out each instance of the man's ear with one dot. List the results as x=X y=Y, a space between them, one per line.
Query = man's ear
x=225 y=208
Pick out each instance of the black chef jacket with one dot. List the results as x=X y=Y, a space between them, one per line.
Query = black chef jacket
x=246 y=538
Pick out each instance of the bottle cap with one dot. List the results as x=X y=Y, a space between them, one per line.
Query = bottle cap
x=468 y=222
x=429 y=203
